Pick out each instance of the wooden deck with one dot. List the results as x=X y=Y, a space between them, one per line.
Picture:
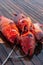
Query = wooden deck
x=32 y=8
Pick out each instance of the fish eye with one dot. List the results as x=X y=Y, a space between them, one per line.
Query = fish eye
x=30 y=35
x=22 y=16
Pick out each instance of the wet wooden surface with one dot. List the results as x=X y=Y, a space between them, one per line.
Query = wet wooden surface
x=32 y=8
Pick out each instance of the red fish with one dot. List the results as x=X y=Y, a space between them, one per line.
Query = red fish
x=27 y=42
x=9 y=29
x=24 y=23
x=37 y=31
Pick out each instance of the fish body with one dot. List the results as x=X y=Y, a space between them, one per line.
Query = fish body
x=9 y=29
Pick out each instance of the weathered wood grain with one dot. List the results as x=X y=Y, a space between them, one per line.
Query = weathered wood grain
x=32 y=8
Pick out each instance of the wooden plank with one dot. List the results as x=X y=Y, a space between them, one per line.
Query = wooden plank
x=32 y=8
